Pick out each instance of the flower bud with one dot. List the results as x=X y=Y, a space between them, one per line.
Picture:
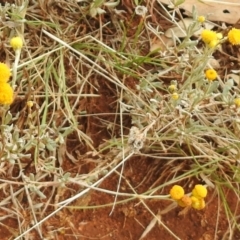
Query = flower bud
x=16 y=43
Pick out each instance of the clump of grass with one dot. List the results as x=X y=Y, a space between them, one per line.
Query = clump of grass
x=193 y=119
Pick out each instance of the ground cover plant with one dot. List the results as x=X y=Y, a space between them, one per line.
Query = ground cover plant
x=119 y=120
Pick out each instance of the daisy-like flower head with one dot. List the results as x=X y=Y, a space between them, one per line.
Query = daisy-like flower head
x=208 y=36
x=172 y=88
x=5 y=73
x=234 y=36
x=6 y=94
x=16 y=43
x=211 y=74
x=199 y=191
x=29 y=104
x=175 y=96
x=219 y=36
x=198 y=203
x=201 y=19
x=237 y=102
x=213 y=43
x=176 y=192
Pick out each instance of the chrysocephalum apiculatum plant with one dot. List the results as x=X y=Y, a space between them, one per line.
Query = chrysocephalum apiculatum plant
x=177 y=120
x=193 y=112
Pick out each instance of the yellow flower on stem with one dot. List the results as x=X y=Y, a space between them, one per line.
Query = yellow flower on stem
x=176 y=192
x=172 y=88
x=16 y=43
x=199 y=191
x=219 y=36
x=5 y=73
x=211 y=38
x=234 y=36
x=198 y=203
x=6 y=94
x=211 y=74
x=208 y=36
x=175 y=96
x=213 y=43
x=201 y=19
x=237 y=102
x=29 y=104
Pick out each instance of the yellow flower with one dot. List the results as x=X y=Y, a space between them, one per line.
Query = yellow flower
x=176 y=192
x=237 y=102
x=29 y=104
x=175 y=96
x=172 y=88
x=208 y=36
x=6 y=93
x=234 y=36
x=219 y=36
x=199 y=191
x=185 y=201
x=16 y=43
x=211 y=74
x=198 y=203
x=201 y=19
x=5 y=73
x=213 y=43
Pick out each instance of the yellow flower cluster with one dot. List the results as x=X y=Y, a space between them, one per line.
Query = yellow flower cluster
x=237 y=102
x=6 y=94
x=30 y=104
x=234 y=36
x=16 y=43
x=201 y=19
x=211 y=74
x=211 y=38
x=5 y=73
x=6 y=91
x=176 y=192
x=173 y=90
x=196 y=200
x=175 y=96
